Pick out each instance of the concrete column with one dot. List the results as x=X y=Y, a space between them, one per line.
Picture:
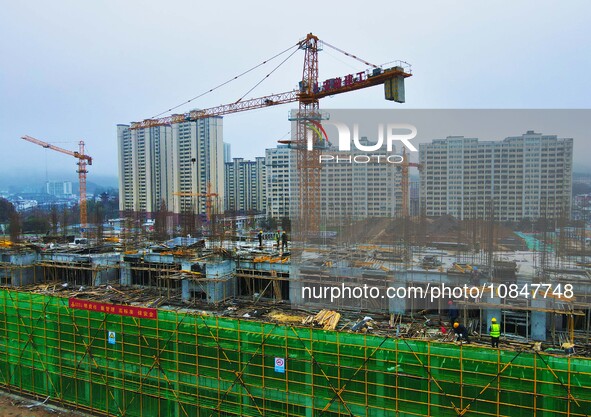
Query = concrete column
x=185 y=294
x=125 y=277
x=295 y=285
x=538 y=320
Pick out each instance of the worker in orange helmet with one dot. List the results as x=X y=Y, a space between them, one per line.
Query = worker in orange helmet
x=461 y=332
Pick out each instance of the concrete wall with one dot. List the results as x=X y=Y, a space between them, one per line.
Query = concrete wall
x=222 y=284
x=20 y=276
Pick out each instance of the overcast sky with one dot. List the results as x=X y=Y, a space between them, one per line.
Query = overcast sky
x=74 y=69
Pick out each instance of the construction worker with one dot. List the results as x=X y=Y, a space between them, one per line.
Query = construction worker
x=284 y=241
x=495 y=332
x=461 y=332
x=260 y=236
x=278 y=238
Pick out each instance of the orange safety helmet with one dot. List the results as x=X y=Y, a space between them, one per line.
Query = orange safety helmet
x=456 y=324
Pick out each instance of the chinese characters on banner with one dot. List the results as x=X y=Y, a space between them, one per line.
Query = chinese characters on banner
x=130 y=311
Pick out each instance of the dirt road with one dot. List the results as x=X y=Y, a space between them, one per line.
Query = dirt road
x=12 y=406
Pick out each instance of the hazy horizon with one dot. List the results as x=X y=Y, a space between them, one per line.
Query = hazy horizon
x=431 y=124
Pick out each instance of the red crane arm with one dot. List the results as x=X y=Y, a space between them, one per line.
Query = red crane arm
x=57 y=148
x=329 y=87
x=250 y=104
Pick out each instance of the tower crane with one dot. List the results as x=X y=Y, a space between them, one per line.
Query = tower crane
x=308 y=94
x=83 y=160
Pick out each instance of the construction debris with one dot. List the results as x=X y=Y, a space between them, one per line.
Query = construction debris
x=363 y=325
x=283 y=318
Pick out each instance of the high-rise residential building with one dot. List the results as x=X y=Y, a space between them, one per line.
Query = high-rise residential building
x=141 y=177
x=245 y=185
x=358 y=186
x=527 y=176
x=199 y=167
x=227 y=153
x=277 y=162
x=157 y=162
x=351 y=186
x=59 y=188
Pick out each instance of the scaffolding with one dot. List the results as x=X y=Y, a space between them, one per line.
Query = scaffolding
x=75 y=271
x=11 y=274
x=184 y=364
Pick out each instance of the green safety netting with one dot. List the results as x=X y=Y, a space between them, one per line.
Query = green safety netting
x=185 y=364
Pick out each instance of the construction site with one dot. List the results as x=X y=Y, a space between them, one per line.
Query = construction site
x=350 y=318
x=200 y=329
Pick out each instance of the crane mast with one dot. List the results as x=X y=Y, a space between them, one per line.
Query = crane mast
x=308 y=162
x=83 y=161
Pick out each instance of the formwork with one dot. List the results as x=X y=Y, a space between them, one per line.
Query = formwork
x=185 y=364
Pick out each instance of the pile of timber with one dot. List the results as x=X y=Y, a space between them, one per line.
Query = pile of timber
x=327 y=319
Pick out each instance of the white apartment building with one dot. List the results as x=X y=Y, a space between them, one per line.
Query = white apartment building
x=157 y=162
x=227 y=153
x=199 y=168
x=347 y=190
x=359 y=190
x=59 y=188
x=141 y=179
x=277 y=185
x=245 y=185
x=525 y=176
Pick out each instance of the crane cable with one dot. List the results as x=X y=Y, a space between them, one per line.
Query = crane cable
x=230 y=80
x=267 y=76
x=348 y=54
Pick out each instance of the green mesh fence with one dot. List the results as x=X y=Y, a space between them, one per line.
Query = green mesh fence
x=191 y=365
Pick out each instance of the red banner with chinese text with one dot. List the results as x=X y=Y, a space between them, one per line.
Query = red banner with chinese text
x=130 y=311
